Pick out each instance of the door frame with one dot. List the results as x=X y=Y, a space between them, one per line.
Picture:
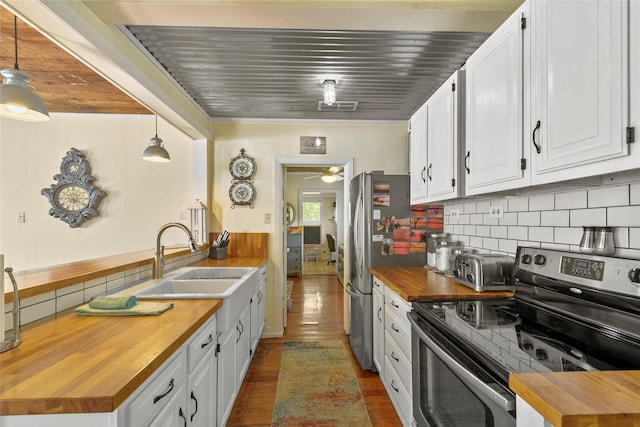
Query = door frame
x=280 y=274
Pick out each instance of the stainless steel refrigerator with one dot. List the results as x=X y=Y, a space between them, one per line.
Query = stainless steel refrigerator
x=383 y=231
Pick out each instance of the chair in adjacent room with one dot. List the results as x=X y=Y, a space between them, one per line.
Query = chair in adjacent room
x=331 y=242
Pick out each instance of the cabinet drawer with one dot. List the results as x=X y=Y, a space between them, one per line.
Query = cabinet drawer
x=400 y=363
x=161 y=388
x=400 y=397
x=399 y=306
x=398 y=330
x=202 y=343
x=378 y=286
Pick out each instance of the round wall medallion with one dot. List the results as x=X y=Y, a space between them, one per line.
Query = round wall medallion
x=242 y=166
x=73 y=197
x=242 y=193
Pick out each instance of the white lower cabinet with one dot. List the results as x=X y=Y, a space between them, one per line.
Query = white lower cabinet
x=396 y=352
x=227 y=368
x=244 y=343
x=173 y=413
x=258 y=312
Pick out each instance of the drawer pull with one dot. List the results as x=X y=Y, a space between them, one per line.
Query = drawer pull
x=393 y=303
x=193 y=397
x=379 y=312
x=209 y=341
x=393 y=326
x=394 y=357
x=393 y=386
x=160 y=396
x=181 y=415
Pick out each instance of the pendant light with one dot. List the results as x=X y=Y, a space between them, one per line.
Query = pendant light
x=156 y=152
x=16 y=100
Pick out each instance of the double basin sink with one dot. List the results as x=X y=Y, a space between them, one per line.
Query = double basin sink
x=234 y=285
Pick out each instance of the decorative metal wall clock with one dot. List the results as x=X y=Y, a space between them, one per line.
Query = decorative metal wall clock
x=242 y=191
x=73 y=197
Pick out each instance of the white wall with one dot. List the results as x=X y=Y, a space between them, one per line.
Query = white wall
x=373 y=146
x=141 y=196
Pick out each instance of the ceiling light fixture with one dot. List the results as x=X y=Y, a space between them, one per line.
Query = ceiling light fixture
x=156 y=152
x=16 y=100
x=329 y=91
x=328 y=178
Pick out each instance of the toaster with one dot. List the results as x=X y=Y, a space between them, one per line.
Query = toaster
x=485 y=272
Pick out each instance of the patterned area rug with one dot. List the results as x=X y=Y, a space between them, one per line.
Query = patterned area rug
x=318 y=387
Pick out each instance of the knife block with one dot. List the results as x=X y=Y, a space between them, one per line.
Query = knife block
x=217 y=253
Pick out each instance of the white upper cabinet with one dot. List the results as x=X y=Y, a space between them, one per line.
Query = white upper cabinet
x=418 y=156
x=494 y=154
x=578 y=88
x=442 y=140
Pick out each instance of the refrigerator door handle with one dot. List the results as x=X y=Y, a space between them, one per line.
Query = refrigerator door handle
x=351 y=291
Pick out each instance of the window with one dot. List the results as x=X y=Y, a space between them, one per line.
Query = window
x=312 y=212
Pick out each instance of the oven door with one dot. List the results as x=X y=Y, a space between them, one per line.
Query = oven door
x=449 y=388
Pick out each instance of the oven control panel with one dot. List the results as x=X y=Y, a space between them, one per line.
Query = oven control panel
x=579 y=267
x=608 y=273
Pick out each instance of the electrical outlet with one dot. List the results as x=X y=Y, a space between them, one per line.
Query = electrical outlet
x=22 y=217
x=455 y=213
x=267 y=218
x=496 y=212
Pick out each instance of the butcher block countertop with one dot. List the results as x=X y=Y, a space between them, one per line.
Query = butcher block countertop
x=72 y=364
x=418 y=283
x=582 y=399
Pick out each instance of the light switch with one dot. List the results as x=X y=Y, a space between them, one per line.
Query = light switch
x=267 y=218
x=22 y=217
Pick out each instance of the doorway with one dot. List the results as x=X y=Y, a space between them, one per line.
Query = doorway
x=284 y=207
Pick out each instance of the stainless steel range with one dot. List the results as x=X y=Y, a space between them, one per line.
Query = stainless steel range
x=570 y=312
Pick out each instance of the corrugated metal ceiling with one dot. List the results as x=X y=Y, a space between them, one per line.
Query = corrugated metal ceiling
x=245 y=73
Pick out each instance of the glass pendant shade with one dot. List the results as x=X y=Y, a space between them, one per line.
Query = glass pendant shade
x=329 y=91
x=328 y=178
x=156 y=152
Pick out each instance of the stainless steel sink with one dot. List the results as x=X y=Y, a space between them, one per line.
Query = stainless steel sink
x=234 y=285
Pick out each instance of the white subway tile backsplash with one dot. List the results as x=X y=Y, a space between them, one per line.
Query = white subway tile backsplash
x=634 y=194
x=518 y=233
x=469 y=230
x=587 y=217
x=483 y=230
x=491 y=244
x=94 y=291
x=509 y=218
x=529 y=218
x=554 y=218
x=69 y=289
x=483 y=206
x=115 y=276
x=95 y=282
x=634 y=237
x=487 y=220
x=545 y=202
x=475 y=218
x=517 y=204
x=34 y=312
x=608 y=196
x=469 y=208
x=541 y=234
x=627 y=216
x=476 y=242
x=464 y=219
x=571 y=200
x=508 y=246
x=628 y=253
x=69 y=300
x=621 y=237
x=567 y=235
x=499 y=231
x=113 y=285
x=458 y=229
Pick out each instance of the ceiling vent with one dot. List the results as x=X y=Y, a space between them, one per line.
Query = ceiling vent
x=338 y=106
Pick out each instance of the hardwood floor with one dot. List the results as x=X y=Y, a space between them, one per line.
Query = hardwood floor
x=316 y=314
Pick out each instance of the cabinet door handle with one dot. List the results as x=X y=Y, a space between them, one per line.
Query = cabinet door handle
x=533 y=136
x=241 y=326
x=394 y=357
x=393 y=303
x=393 y=326
x=193 y=397
x=466 y=163
x=209 y=341
x=181 y=415
x=429 y=171
x=393 y=386
x=239 y=333
x=424 y=169
x=379 y=311
x=160 y=396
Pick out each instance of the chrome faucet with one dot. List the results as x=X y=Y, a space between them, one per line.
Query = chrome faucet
x=14 y=339
x=158 y=264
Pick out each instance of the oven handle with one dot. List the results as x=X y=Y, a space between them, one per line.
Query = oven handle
x=505 y=402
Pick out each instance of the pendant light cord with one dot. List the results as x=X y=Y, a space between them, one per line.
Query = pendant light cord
x=156 y=125
x=15 y=39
